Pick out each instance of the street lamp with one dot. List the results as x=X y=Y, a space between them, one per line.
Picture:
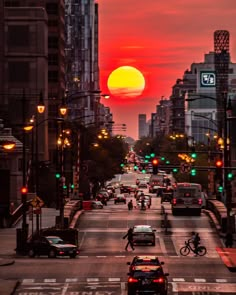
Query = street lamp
x=226 y=151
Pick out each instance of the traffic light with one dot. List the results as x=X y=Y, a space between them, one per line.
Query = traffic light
x=193 y=153
x=218 y=170
x=155 y=163
x=230 y=176
x=175 y=170
x=24 y=190
x=220 y=188
x=58 y=175
x=193 y=172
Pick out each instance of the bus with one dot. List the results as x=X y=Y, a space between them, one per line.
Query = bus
x=187 y=199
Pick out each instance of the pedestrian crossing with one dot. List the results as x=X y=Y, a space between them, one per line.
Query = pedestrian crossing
x=92 y=280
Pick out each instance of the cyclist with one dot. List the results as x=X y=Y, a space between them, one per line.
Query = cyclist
x=195 y=240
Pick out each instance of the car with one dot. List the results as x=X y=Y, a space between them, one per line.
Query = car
x=147 y=201
x=167 y=195
x=124 y=189
x=120 y=198
x=52 y=246
x=133 y=188
x=149 y=279
x=142 y=184
x=97 y=205
x=144 y=260
x=144 y=234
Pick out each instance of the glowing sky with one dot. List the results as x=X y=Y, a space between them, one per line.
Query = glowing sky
x=161 y=39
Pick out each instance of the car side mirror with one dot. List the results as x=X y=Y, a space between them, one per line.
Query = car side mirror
x=128 y=263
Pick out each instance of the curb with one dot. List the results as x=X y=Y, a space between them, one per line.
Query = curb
x=6 y=262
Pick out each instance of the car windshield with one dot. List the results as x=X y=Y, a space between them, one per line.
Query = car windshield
x=147 y=261
x=55 y=240
x=143 y=229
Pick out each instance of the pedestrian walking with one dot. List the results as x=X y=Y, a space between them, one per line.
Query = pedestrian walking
x=229 y=240
x=130 y=205
x=129 y=236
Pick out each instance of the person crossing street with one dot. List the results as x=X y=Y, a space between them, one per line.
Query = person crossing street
x=129 y=236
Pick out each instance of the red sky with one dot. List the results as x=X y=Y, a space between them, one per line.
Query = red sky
x=161 y=39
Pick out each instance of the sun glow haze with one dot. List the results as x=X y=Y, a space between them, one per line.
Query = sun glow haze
x=126 y=81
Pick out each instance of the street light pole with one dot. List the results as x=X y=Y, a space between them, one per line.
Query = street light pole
x=24 y=195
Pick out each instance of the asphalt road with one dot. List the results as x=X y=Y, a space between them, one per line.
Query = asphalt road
x=101 y=268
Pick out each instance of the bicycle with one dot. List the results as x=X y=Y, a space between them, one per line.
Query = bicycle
x=185 y=250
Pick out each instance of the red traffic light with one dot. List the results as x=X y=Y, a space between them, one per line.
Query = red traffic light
x=155 y=162
x=24 y=190
x=219 y=164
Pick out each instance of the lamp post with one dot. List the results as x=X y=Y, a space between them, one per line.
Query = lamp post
x=226 y=153
x=69 y=98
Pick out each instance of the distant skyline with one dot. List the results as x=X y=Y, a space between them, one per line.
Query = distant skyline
x=161 y=39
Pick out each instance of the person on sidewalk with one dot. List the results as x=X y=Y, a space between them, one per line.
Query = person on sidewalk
x=129 y=236
x=229 y=240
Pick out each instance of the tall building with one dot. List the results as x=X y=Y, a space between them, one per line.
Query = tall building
x=82 y=71
x=23 y=69
x=142 y=126
x=55 y=12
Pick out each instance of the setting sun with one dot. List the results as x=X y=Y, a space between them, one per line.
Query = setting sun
x=126 y=81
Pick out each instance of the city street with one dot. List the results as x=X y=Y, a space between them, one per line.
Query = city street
x=101 y=267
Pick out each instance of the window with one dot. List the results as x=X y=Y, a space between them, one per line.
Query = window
x=18 y=71
x=53 y=76
x=53 y=59
x=18 y=36
x=52 y=8
x=53 y=42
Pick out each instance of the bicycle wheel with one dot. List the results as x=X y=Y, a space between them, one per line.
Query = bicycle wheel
x=184 y=251
x=201 y=250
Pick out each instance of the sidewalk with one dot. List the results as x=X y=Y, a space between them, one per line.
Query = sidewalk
x=8 y=245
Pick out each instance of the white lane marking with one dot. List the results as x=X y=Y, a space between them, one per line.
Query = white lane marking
x=120 y=256
x=28 y=281
x=200 y=280
x=72 y=280
x=64 y=289
x=92 y=280
x=174 y=287
x=102 y=256
x=221 y=280
x=83 y=256
x=114 y=279
x=178 y=280
x=50 y=280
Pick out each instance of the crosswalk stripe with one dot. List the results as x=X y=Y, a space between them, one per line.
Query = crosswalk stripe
x=200 y=280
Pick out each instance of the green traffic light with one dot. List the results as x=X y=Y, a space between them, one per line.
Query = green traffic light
x=230 y=176
x=152 y=155
x=122 y=165
x=193 y=172
x=64 y=186
x=163 y=158
x=58 y=175
x=220 y=189
x=167 y=162
x=194 y=155
x=72 y=186
x=175 y=170
x=143 y=171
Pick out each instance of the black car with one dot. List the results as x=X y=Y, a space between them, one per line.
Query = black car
x=144 y=260
x=149 y=279
x=167 y=195
x=51 y=246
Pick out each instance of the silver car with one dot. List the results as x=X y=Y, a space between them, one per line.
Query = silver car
x=144 y=234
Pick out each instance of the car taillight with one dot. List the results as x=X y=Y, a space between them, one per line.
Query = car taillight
x=200 y=201
x=174 y=201
x=159 y=280
x=61 y=252
x=132 y=280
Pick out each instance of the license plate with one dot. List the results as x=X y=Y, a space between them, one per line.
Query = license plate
x=146 y=282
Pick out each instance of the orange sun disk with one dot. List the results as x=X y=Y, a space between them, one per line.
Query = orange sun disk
x=126 y=81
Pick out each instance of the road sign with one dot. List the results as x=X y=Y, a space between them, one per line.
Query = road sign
x=37 y=202
x=185 y=167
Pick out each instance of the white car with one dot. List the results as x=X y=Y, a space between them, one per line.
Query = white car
x=97 y=205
